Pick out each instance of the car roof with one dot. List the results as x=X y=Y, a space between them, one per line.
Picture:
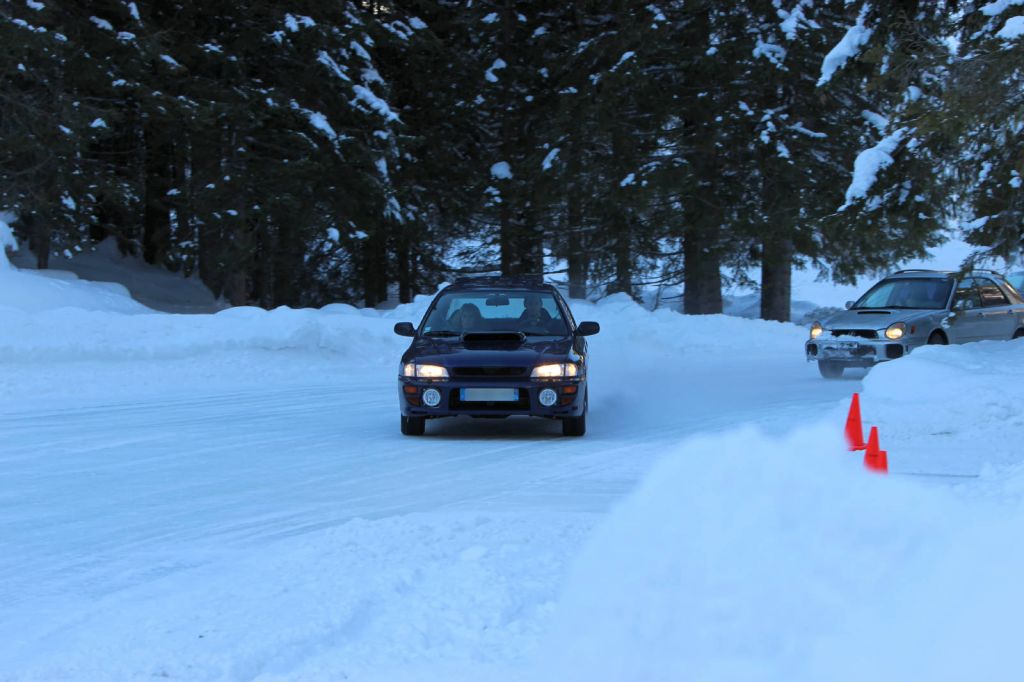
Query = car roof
x=491 y=282
x=919 y=273
x=938 y=274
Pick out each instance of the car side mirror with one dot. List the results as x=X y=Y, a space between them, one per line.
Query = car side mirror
x=405 y=329
x=587 y=328
x=849 y=304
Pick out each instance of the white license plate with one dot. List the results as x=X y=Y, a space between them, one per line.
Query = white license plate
x=489 y=395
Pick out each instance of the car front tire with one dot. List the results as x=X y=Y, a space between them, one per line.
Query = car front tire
x=574 y=426
x=414 y=426
x=830 y=369
x=577 y=426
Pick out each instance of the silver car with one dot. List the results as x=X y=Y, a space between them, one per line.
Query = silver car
x=911 y=308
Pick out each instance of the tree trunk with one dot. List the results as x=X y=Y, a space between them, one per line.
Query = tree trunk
x=623 y=249
x=39 y=239
x=375 y=282
x=156 y=216
x=405 y=292
x=576 y=253
x=702 y=275
x=776 y=278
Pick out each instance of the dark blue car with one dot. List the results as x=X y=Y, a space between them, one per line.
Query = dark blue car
x=491 y=347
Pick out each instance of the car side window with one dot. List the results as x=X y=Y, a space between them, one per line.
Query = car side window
x=967 y=296
x=991 y=294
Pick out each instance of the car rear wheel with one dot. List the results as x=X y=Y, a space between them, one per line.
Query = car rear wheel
x=830 y=369
x=414 y=426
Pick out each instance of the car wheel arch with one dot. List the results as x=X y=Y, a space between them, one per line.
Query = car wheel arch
x=938 y=337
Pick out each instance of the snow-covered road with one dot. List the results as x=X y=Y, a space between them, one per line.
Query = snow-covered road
x=89 y=488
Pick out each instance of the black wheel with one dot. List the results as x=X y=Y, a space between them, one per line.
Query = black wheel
x=1019 y=334
x=937 y=339
x=830 y=369
x=414 y=426
x=577 y=426
x=574 y=426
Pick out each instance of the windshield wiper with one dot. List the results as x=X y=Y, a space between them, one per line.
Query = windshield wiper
x=442 y=332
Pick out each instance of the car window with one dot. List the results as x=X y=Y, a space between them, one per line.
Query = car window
x=1016 y=280
x=494 y=310
x=967 y=296
x=929 y=293
x=991 y=294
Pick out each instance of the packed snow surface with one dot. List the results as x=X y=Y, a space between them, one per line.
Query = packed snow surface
x=227 y=497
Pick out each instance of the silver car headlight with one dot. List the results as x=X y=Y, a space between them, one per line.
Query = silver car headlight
x=559 y=370
x=816 y=330
x=895 y=331
x=418 y=371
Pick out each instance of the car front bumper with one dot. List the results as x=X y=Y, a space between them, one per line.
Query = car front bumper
x=855 y=352
x=570 y=400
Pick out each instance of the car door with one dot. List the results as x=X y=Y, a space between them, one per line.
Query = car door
x=998 y=320
x=967 y=324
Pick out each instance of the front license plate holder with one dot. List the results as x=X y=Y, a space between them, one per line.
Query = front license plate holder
x=840 y=348
x=488 y=395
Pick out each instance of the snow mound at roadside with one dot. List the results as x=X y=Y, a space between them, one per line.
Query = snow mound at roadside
x=61 y=319
x=31 y=291
x=745 y=558
x=950 y=408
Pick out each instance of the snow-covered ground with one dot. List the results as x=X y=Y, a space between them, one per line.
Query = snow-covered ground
x=227 y=497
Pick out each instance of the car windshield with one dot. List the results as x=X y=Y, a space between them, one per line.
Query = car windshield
x=529 y=312
x=916 y=293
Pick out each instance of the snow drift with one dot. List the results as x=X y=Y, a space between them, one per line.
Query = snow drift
x=742 y=557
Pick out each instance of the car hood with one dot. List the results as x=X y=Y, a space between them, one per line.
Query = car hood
x=456 y=353
x=875 y=318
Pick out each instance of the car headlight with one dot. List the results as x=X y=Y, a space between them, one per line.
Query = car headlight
x=415 y=370
x=555 y=371
x=895 y=331
x=816 y=330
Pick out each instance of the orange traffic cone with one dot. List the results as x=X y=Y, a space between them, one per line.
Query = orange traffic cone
x=875 y=459
x=854 y=430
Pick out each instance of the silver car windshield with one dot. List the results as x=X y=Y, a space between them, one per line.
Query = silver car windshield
x=531 y=313
x=911 y=293
x=1016 y=280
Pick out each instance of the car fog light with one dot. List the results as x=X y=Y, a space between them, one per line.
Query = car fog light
x=432 y=397
x=548 y=397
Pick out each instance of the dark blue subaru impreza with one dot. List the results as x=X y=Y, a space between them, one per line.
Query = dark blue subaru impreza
x=493 y=347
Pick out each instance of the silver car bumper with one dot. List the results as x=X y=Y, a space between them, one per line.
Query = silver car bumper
x=855 y=352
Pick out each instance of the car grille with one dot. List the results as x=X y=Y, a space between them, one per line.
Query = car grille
x=488 y=372
x=862 y=333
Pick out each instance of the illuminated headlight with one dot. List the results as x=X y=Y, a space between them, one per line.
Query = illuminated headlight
x=414 y=370
x=896 y=331
x=816 y=330
x=431 y=397
x=555 y=371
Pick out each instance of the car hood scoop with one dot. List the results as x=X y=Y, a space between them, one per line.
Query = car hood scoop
x=492 y=339
x=873 y=312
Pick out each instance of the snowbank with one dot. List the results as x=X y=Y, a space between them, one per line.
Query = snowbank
x=746 y=558
x=951 y=409
x=31 y=291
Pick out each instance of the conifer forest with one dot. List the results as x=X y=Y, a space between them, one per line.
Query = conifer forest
x=300 y=152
